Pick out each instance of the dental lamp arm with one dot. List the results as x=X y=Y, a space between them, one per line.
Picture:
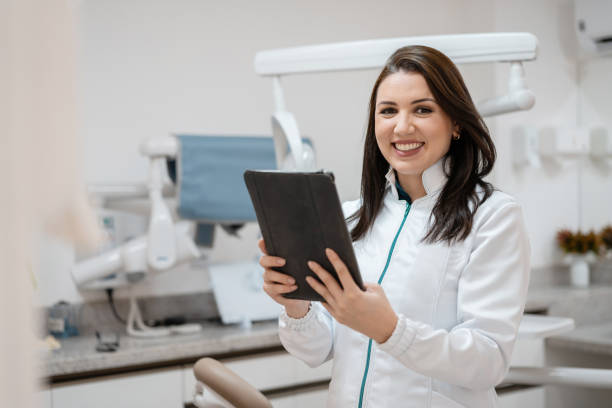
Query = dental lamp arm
x=461 y=48
x=285 y=130
x=161 y=252
x=161 y=245
x=165 y=244
x=131 y=257
x=517 y=98
x=368 y=54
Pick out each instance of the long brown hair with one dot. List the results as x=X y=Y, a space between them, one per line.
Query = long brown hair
x=469 y=159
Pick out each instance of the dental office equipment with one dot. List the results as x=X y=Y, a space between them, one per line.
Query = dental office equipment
x=207 y=171
x=165 y=245
x=512 y=48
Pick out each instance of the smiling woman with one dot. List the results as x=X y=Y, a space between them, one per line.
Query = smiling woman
x=420 y=97
x=412 y=131
x=444 y=257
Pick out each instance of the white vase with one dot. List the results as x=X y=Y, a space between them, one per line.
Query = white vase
x=579 y=271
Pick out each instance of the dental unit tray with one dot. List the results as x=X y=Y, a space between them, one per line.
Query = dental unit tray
x=300 y=215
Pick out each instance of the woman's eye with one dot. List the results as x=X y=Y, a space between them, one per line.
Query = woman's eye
x=388 y=111
x=422 y=110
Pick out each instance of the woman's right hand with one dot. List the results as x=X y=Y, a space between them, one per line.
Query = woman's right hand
x=277 y=283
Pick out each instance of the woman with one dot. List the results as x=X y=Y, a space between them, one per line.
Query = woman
x=449 y=255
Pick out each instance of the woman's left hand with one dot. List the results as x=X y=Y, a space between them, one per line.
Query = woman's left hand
x=368 y=312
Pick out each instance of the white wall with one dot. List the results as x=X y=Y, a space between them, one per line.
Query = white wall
x=595 y=109
x=548 y=196
x=154 y=67
x=577 y=193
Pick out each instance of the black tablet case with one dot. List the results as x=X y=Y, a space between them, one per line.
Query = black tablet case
x=300 y=215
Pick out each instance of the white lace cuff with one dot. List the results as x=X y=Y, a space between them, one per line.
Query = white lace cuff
x=285 y=321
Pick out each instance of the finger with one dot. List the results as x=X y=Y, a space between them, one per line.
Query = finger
x=268 y=261
x=320 y=289
x=327 y=279
x=274 y=289
x=347 y=281
x=262 y=246
x=272 y=276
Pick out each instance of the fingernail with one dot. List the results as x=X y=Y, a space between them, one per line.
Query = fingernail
x=328 y=251
x=310 y=264
x=280 y=262
x=290 y=281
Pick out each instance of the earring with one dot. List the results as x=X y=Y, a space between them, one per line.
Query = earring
x=456 y=136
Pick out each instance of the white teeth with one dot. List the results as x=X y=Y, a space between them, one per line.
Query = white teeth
x=408 y=146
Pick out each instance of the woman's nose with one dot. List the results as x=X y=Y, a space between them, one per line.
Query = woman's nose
x=404 y=125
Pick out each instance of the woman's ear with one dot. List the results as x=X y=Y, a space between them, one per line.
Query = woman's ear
x=456 y=131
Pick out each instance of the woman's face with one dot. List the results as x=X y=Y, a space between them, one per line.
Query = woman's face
x=412 y=131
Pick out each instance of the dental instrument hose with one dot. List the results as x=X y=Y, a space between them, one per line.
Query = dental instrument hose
x=111 y=302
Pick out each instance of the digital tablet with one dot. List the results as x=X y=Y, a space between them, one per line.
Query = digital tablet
x=300 y=215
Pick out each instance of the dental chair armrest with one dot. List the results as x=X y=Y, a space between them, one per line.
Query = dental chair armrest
x=228 y=384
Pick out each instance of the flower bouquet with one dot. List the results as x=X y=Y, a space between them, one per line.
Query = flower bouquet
x=606 y=240
x=580 y=249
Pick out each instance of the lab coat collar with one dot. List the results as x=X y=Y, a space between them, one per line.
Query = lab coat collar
x=434 y=178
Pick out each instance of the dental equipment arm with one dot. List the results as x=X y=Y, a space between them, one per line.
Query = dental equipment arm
x=165 y=245
x=161 y=250
x=517 y=98
x=132 y=258
x=513 y=48
x=354 y=55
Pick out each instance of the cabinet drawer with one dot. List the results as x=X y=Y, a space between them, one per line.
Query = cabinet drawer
x=266 y=372
x=314 y=397
x=153 y=389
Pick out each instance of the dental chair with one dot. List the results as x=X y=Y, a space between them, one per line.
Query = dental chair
x=232 y=389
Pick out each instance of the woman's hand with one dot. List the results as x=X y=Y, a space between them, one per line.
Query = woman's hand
x=277 y=283
x=367 y=312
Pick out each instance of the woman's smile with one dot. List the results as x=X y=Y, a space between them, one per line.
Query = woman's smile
x=412 y=131
x=407 y=148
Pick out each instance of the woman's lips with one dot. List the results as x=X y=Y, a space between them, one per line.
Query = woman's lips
x=407 y=149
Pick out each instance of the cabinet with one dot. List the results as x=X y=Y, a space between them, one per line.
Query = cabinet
x=527 y=352
x=288 y=381
x=315 y=397
x=531 y=397
x=152 y=389
x=291 y=383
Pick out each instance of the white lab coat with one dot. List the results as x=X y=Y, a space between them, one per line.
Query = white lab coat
x=459 y=308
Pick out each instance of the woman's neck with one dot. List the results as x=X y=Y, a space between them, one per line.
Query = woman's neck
x=412 y=184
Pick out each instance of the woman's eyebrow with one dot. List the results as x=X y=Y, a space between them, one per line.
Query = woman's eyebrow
x=423 y=100
x=412 y=103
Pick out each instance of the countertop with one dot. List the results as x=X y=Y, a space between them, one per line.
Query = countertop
x=77 y=357
x=567 y=297
x=591 y=309
x=595 y=338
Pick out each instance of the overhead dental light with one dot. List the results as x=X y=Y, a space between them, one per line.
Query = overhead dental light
x=512 y=48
